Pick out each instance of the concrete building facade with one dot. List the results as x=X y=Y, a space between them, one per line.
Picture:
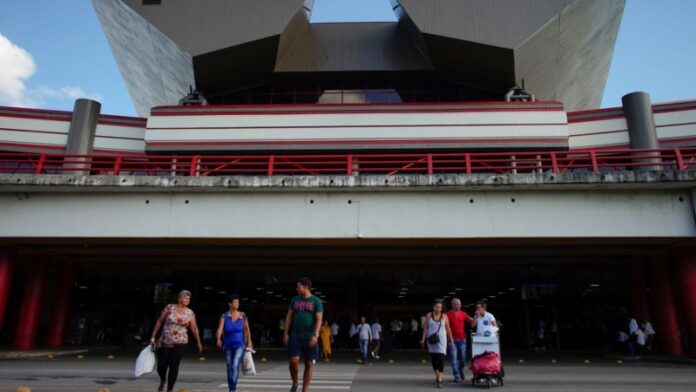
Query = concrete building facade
x=391 y=162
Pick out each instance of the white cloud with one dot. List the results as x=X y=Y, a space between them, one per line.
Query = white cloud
x=17 y=66
x=65 y=93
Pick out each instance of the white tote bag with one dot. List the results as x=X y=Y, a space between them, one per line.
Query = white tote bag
x=146 y=362
x=248 y=367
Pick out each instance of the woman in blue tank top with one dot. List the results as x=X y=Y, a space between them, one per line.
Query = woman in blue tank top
x=234 y=336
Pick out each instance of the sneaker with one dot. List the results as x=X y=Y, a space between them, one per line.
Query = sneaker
x=373 y=354
x=376 y=356
x=456 y=380
x=293 y=388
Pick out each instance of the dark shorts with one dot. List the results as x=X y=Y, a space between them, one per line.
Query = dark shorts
x=376 y=344
x=298 y=347
x=438 y=361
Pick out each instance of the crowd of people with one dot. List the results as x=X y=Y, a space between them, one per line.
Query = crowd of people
x=307 y=336
x=637 y=338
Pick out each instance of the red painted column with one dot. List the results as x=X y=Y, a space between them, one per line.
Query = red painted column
x=685 y=274
x=664 y=309
x=637 y=291
x=7 y=260
x=30 y=311
x=60 y=311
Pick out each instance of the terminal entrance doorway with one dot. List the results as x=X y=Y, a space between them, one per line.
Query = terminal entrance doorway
x=547 y=295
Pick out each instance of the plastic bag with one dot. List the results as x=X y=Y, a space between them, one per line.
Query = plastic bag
x=486 y=363
x=248 y=367
x=146 y=362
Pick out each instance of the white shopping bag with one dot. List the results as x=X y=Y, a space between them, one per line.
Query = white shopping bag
x=146 y=362
x=248 y=367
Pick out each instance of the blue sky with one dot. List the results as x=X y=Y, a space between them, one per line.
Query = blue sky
x=52 y=51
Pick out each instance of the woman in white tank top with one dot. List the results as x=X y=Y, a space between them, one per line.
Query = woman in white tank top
x=437 y=324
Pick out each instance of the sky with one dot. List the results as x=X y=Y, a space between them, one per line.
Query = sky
x=54 y=51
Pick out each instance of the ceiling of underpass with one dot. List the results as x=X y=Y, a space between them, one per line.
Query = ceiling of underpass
x=336 y=254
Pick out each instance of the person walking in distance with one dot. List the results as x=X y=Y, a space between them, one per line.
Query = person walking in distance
x=335 y=329
x=301 y=334
x=352 y=335
x=458 y=319
x=376 y=338
x=326 y=340
x=649 y=333
x=364 y=338
x=436 y=333
x=237 y=338
x=176 y=320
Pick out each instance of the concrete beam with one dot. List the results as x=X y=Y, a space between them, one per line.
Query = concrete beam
x=319 y=214
x=636 y=180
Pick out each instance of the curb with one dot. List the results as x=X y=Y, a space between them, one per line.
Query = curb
x=17 y=355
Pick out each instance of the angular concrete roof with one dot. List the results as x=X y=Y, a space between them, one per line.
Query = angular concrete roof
x=206 y=26
x=561 y=48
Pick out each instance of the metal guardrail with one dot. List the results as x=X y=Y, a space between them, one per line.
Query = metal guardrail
x=595 y=161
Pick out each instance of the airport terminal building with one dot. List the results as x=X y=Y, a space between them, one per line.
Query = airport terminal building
x=456 y=152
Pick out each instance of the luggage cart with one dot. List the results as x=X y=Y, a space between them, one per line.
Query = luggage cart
x=486 y=363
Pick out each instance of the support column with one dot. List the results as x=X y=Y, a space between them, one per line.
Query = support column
x=60 y=311
x=642 y=132
x=83 y=130
x=665 y=320
x=7 y=260
x=27 y=327
x=637 y=296
x=685 y=273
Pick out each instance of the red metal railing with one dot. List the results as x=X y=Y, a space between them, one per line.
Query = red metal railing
x=594 y=161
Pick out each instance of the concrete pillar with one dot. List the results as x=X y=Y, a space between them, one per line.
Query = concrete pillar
x=30 y=311
x=637 y=288
x=663 y=305
x=642 y=133
x=60 y=311
x=83 y=129
x=7 y=261
x=685 y=274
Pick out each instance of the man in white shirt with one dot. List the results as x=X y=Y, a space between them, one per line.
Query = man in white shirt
x=649 y=333
x=376 y=338
x=632 y=337
x=640 y=339
x=364 y=333
x=396 y=325
x=484 y=321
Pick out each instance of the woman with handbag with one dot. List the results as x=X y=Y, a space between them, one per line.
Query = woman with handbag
x=237 y=338
x=176 y=321
x=437 y=333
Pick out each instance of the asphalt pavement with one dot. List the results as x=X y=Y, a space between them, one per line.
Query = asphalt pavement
x=534 y=372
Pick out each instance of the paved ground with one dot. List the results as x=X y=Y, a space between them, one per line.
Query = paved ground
x=570 y=373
